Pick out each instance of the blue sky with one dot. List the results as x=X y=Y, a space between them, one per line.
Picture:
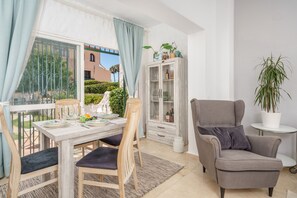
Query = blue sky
x=108 y=60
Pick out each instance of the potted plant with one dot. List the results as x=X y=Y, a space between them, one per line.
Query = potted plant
x=155 y=54
x=171 y=48
x=268 y=93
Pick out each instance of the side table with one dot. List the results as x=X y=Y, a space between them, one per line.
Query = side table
x=287 y=161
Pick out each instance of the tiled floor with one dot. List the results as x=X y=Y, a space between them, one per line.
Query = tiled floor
x=191 y=182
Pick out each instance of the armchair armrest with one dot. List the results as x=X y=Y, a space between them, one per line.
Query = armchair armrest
x=264 y=145
x=209 y=148
x=212 y=144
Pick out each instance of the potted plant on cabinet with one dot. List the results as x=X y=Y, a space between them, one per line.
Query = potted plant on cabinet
x=171 y=48
x=163 y=55
x=155 y=54
x=268 y=93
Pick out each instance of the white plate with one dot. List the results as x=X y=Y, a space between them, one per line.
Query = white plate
x=55 y=124
x=108 y=116
x=96 y=123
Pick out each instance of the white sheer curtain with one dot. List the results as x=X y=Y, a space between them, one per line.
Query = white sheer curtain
x=18 y=19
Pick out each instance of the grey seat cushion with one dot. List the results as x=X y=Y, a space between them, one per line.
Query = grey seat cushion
x=102 y=157
x=39 y=160
x=113 y=140
x=241 y=160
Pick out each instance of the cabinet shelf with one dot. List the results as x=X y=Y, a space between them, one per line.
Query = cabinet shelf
x=168 y=80
x=168 y=101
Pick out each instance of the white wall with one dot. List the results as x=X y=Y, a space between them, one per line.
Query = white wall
x=261 y=28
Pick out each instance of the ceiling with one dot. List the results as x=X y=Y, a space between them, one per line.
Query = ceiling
x=146 y=13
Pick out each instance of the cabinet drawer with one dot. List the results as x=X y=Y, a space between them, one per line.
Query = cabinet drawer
x=160 y=137
x=162 y=128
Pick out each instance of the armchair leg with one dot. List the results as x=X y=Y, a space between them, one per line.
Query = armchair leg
x=270 y=191
x=222 y=192
x=203 y=169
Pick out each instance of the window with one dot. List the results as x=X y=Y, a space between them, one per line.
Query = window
x=87 y=75
x=50 y=74
x=92 y=57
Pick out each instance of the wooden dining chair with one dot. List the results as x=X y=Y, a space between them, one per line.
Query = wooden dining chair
x=115 y=141
x=112 y=161
x=27 y=167
x=63 y=108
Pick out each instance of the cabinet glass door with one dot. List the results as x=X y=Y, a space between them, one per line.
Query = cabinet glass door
x=154 y=93
x=168 y=76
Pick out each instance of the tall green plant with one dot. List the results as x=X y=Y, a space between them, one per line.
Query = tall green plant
x=116 y=101
x=271 y=78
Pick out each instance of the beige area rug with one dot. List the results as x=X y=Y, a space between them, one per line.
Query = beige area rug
x=291 y=194
x=154 y=172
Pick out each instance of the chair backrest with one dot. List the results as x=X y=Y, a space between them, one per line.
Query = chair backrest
x=64 y=106
x=217 y=113
x=15 y=166
x=125 y=159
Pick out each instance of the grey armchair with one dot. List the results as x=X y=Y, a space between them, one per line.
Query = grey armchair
x=234 y=169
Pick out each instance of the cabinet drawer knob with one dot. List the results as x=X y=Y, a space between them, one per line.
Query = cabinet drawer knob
x=161 y=127
x=161 y=135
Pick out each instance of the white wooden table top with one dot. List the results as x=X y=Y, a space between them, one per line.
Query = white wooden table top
x=281 y=129
x=76 y=130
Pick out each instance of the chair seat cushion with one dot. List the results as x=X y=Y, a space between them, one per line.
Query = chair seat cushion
x=241 y=160
x=113 y=140
x=102 y=157
x=39 y=160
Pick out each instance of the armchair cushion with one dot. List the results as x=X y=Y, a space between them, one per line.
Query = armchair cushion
x=240 y=160
x=223 y=135
x=238 y=139
x=229 y=137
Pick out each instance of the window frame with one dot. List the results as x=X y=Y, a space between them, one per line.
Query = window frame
x=92 y=57
x=79 y=74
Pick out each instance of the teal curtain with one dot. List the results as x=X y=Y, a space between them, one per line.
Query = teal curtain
x=17 y=19
x=130 y=42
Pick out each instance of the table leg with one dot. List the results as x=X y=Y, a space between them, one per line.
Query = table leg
x=66 y=170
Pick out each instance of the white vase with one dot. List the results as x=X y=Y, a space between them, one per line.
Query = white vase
x=178 y=144
x=271 y=120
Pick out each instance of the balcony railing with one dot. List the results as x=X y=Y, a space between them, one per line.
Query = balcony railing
x=26 y=137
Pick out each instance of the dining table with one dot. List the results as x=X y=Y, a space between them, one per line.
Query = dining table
x=66 y=137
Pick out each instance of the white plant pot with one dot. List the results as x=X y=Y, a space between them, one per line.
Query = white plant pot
x=271 y=120
x=178 y=144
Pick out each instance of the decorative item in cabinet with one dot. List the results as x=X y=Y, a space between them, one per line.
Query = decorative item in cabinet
x=171 y=107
